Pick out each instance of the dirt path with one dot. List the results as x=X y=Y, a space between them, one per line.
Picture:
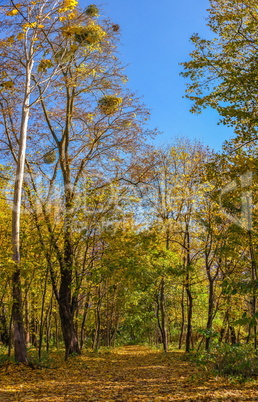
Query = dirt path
x=132 y=373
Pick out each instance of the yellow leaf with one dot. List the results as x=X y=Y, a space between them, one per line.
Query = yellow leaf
x=28 y=25
x=13 y=12
x=20 y=36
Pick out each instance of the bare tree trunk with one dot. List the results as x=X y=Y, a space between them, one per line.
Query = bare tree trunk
x=41 y=324
x=189 y=315
x=183 y=319
x=84 y=318
x=20 y=352
x=188 y=292
x=19 y=335
x=66 y=307
x=160 y=313
x=163 y=316
x=96 y=341
x=210 y=314
x=254 y=278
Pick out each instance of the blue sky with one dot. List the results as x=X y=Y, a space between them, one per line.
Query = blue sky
x=154 y=40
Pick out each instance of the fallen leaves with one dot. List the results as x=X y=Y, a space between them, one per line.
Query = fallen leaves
x=128 y=374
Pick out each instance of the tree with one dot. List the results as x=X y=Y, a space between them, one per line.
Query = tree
x=223 y=70
x=26 y=27
x=86 y=132
x=173 y=195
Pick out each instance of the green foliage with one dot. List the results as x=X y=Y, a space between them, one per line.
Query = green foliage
x=49 y=157
x=231 y=360
x=46 y=361
x=92 y=10
x=223 y=71
x=247 y=320
x=240 y=360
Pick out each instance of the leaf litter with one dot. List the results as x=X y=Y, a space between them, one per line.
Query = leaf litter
x=126 y=374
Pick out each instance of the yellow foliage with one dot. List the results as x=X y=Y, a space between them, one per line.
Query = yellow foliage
x=20 y=36
x=89 y=35
x=29 y=25
x=109 y=104
x=71 y=16
x=13 y=12
x=10 y=40
x=68 y=5
x=7 y=84
x=45 y=64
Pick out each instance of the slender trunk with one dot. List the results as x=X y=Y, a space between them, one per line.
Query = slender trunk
x=188 y=293
x=189 y=316
x=48 y=323
x=85 y=314
x=27 y=319
x=66 y=309
x=210 y=314
x=183 y=319
x=254 y=278
x=41 y=325
x=163 y=316
x=96 y=341
x=56 y=331
x=160 y=313
x=10 y=335
x=20 y=351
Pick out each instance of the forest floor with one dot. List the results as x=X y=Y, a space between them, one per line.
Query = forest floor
x=126 y=374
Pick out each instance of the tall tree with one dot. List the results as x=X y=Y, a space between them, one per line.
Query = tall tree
x=223 y=70
x=87 y=130
x=27 y=26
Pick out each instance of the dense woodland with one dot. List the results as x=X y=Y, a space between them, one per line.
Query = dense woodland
x=106 y=240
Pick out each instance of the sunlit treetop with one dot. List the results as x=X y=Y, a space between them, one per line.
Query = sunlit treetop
x=223 y=71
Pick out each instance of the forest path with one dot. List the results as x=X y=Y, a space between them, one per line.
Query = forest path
x=127 y=374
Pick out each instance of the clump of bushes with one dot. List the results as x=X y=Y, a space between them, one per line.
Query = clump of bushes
x=236 y=360
x=232 y=360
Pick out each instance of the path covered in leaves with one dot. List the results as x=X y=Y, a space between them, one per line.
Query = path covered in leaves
x=128 y=374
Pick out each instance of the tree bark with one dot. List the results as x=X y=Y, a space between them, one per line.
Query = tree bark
x=183 y=319
x=20 y=352
x=19 y=335
x=188 y=292
x=210 y=314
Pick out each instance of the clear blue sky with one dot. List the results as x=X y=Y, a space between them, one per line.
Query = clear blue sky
x=154 y=40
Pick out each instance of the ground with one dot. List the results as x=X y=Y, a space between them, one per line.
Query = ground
x=127 y=374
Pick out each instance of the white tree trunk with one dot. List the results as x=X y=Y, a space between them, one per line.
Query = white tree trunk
x=20 y=352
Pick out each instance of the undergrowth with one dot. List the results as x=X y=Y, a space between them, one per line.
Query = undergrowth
x=239 y=361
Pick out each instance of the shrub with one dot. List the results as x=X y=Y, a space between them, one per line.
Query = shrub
x=235 y=360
